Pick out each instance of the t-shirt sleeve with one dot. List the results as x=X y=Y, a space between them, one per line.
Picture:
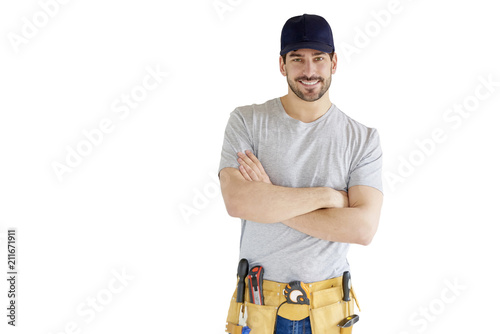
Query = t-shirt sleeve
x=237 y=138
x=368 y=170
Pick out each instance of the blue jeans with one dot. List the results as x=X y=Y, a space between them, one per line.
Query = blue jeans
x=285 y=326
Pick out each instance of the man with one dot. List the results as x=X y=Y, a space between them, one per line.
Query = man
x=305 y=179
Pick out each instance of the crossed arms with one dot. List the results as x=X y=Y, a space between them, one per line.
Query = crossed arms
x=321 y=212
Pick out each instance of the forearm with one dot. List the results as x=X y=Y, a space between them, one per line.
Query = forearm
x=354 y=224
x=349 y=225
x=267 y=203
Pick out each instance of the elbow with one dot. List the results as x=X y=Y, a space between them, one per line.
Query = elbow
x=232 y=206
x=365 y=240
x=232 y=198
x=237 y=201
x=366 y=234
x=238 y=209
x=233 y=210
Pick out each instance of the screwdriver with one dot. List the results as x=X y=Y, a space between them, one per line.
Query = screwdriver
x=240 y=293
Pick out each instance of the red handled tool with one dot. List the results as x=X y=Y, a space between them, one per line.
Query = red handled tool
x=255 y=279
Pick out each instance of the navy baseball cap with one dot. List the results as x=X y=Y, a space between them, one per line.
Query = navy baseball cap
x=306 y=32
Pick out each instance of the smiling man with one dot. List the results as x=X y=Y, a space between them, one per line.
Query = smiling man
x=305 y=180
x=315 y=87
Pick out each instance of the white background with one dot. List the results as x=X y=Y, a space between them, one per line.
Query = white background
x=120 y=209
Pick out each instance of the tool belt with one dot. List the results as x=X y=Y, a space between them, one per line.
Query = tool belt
x=326 y=309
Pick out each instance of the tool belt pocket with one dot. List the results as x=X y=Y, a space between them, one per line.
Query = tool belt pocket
x=328 y=310
x=261 y=318
x=234 y=309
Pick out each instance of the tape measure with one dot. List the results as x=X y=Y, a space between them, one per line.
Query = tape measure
x=297 y=292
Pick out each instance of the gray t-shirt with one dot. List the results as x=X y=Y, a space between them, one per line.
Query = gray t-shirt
x=333 y=151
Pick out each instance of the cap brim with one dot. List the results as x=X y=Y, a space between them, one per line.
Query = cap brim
x=308 y=45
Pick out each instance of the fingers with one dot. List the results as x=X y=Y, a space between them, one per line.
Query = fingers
x=256 y=161
x=244 y=173
x=244 y=158
x=260 y=169
x=248 y=168
x=251 y=168
x=253 y=175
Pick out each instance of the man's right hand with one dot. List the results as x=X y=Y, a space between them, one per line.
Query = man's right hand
x=251 y=168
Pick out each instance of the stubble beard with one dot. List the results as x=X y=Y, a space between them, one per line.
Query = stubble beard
x=325 y=85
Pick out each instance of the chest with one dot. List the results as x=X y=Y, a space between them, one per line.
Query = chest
x=305 y=159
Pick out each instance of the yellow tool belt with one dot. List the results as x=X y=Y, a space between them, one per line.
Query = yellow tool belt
x=326 y=310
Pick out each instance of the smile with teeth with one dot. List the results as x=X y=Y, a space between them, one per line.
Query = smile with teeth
x=309 y=83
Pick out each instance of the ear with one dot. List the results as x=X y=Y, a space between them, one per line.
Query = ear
x=334 y=63
x=282 y=66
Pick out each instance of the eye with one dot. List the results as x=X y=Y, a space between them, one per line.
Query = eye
x=320 y=58
x=296 y=59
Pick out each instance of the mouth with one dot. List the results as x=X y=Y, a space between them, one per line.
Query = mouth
x=309 y=83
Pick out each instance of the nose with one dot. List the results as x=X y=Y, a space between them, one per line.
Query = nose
x=309 y=68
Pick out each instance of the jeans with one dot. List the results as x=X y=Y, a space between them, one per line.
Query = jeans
x=285 y=326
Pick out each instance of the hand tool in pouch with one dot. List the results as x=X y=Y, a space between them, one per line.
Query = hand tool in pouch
x=242 y=274
x=346 y=324
x=240 y=292
x=241 y=328
x=255 y=278
x=346 y=288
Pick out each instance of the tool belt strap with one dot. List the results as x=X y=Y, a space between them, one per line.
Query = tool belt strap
x=313 y=287
x=299 y=312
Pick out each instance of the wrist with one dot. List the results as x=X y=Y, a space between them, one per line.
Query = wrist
x=328 y=198
x=335 y=198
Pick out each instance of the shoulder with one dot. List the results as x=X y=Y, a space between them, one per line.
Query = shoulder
x=355 y=128
x=257 y=110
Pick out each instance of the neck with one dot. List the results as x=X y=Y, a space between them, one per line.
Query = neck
x=305 y=111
